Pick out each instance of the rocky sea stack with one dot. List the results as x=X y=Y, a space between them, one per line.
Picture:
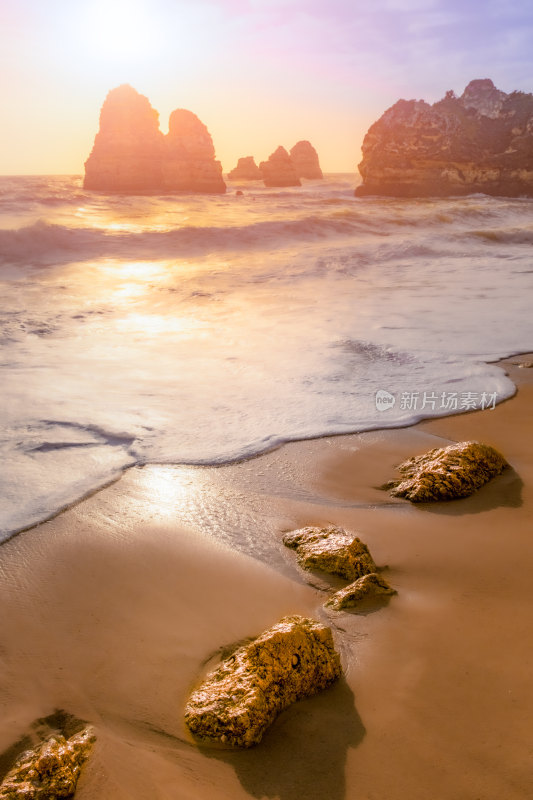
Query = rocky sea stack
x=304 y=158
x=127 y=155
x=189 y=164
x=279 y=169
x=246 y=170
x=130 y=154
x=479 y=142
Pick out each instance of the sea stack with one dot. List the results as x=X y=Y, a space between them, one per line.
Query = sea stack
x=279 y=170
x=190 y=164
x=304 y=158
x=128 y=148
x=479 y=142
x=246 y=170
x=131 y=155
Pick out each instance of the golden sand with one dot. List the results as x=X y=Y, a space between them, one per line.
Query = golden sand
x=116 y=608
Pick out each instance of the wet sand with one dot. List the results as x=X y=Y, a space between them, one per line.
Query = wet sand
x=112 y=610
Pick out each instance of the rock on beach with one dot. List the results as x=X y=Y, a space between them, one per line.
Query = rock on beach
x=240 y=699
x=50 y=771
x=332 y=550
x=368 y=587
x=447 y=473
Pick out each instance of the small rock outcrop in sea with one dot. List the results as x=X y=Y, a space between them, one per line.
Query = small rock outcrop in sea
x=368 y=587
x=189 y=164
x=304 y=158
x=479 y=142
x=279 y=170
x=447 y=473
x=128 y=148
x=50 y=771
x=330 y=550
x=130 y=154
x=241 y=698
x=246 y=170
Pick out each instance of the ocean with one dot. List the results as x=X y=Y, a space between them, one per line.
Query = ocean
x=206 y=329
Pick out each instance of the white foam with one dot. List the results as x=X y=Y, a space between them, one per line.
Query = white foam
x=114 y=360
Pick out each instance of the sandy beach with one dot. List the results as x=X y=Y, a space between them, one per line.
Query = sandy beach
x=113 y=610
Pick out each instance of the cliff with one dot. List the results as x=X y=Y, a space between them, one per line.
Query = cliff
x=279 y=170
x=305 y=160
x=130 y=154
x=479 y=142
x=246 y=170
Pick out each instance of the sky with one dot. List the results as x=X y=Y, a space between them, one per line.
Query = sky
x=258 y=73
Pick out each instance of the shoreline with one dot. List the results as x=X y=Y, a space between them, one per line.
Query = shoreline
x=248 y=458
x=112 y=607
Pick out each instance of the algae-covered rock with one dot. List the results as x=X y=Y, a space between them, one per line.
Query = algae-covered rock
x=447 y=473
x=331 y=550
x=50 y=771
x=366 y=588
x=240 y=699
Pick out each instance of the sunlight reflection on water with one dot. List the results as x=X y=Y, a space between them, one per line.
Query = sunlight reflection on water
x=170 y=488
x=154 y=324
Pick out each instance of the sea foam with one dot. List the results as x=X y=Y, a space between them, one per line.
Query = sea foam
x=199 y=330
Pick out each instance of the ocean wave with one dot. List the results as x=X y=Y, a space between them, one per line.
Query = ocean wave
x=49 y=243
x=17 y=193
x=506 y=236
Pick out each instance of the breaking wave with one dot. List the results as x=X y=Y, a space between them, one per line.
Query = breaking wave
x=201 y=329
x=46 y=243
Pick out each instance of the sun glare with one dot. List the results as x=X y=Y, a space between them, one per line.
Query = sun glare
x=155 y=324
x=121 y=28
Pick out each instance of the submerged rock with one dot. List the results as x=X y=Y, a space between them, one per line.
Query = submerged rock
x=447 y=473
x=479 y=142
x=189 y=164
x=279 y=170
x=50 y=771
x=246 y=170
x=305 y=160
x=128 y=148
x=365 y=588
x=331 y=550
x=239 y=700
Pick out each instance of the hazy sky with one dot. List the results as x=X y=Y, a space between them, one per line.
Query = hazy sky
x=258 y=73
